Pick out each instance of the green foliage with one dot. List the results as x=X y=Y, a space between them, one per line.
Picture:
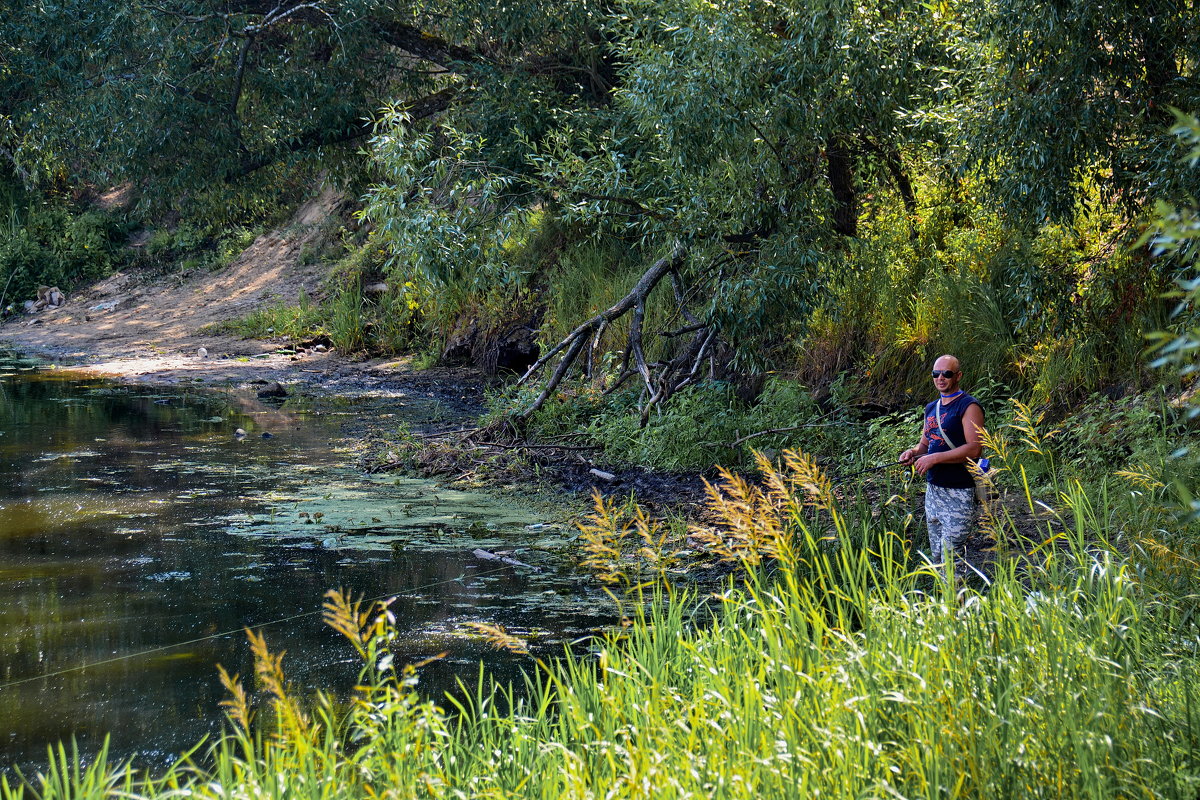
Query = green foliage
x=250 y=96
x=1063 y=95
x=585 y=278
x=178 y=96
x=52 y=244
x=692 y=432
x=1057 y=313
x=1174 y=236
x=709 y=424
x=1137 y=432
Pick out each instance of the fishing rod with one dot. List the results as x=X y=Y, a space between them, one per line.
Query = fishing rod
x=876 y=468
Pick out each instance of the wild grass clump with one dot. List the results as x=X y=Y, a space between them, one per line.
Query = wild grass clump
x=710 y=423
x=839 y=667
x=350 y=317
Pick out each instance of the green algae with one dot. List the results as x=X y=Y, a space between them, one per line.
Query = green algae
x=372 y=513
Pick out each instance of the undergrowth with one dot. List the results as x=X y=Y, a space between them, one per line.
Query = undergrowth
x=52 y=243
x=387 y=319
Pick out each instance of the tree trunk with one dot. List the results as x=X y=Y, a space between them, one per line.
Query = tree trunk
x=840 y=169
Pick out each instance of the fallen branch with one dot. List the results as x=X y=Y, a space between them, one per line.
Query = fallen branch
x=444 y=433
x=512 y=562
x=571 y=345
x=503 y=446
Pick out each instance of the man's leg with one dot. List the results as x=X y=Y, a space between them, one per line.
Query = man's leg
x=933 y=523
x=949 y=514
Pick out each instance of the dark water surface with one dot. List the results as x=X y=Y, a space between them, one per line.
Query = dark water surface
x=132 y=520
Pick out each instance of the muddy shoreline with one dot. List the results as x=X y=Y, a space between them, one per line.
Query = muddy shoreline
x=437 y=402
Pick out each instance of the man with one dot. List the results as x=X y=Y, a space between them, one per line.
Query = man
x=949 y=439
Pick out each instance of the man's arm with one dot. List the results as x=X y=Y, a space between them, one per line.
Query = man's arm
x=972 y=449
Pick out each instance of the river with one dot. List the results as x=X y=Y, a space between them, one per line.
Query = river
x=139 y=535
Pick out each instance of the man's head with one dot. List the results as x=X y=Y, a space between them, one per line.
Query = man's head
x=946 y=374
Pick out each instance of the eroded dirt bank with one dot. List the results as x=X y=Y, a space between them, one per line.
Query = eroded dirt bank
x=151 y=328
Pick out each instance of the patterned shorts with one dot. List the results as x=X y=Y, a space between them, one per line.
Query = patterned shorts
x=949 y=514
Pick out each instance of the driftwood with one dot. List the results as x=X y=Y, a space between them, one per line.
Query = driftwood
x=512 y=562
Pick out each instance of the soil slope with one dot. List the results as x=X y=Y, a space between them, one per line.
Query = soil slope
x=145 y=327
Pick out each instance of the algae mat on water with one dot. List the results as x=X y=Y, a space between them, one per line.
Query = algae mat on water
x=348 y=511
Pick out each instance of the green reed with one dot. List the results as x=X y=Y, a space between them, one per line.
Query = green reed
x=832 y=667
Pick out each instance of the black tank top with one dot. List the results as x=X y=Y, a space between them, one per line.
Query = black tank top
x=949 y=476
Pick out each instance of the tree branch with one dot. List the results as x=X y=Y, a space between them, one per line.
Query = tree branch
x=426 y=46
x=839 y=162
x=574 y=342
x=236 y=95
x=352 y=130
x=895 y=166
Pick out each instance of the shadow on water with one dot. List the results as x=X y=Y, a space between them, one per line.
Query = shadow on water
x=135 y=528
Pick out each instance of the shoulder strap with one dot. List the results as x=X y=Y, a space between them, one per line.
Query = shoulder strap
x=945 y=438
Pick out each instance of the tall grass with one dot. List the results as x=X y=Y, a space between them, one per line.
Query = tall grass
x=839 y=667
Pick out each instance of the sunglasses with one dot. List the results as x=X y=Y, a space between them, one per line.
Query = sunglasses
x=943 y=373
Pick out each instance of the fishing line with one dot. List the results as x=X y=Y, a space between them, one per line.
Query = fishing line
x=224 y=634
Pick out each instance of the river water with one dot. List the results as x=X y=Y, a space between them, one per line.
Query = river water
x=139 y=536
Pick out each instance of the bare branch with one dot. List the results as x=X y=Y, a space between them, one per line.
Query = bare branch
x=559 y=374
x=600 y=329
x=620 y=381
x=685 y=330
x=681 y=299
x=635 y=343
x=701 y=352
x=574 y=342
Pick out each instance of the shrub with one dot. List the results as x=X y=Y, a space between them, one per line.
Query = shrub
x=54 y=245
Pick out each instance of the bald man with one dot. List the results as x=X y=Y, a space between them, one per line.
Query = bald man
x=949 y=438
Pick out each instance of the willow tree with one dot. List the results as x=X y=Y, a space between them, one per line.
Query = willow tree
x=742 y=137
x=1075 y=92
x=738 y=141
x=179 y=94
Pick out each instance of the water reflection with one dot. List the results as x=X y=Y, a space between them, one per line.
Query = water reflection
x=132 y=520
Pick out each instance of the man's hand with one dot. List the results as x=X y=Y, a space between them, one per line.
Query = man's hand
x=925 y=462
x=908 y=455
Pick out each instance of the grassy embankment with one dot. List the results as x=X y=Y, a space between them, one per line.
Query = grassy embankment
x=837 y=665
